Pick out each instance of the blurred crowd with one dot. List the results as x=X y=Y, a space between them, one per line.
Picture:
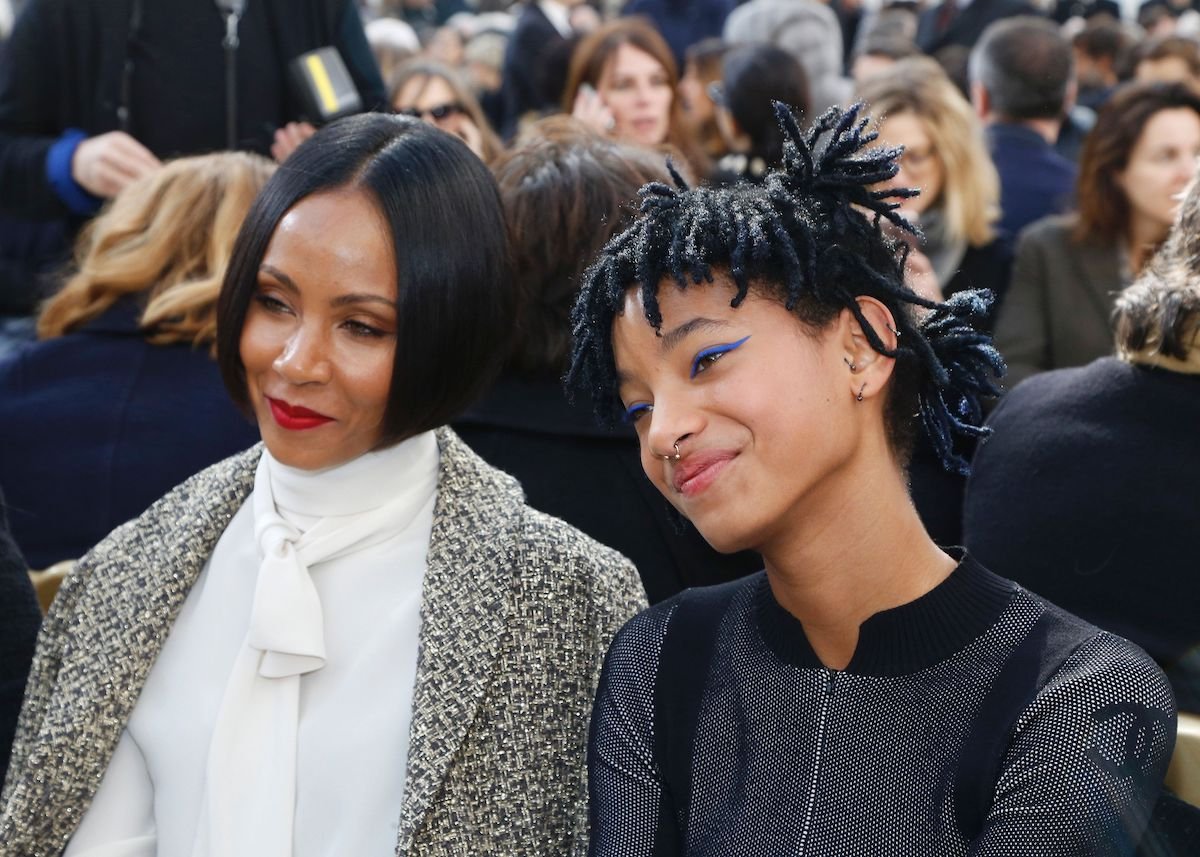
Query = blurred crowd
x=1050 y=144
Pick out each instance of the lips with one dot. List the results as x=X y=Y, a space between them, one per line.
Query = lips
x=697 y=471
x=294 y=417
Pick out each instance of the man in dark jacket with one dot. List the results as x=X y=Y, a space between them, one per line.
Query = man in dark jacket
x=962 y=22
x=93 y=95
x=1021 y=86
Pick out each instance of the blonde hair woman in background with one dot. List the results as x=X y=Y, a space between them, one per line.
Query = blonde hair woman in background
x=917 y=106
x=121 y=399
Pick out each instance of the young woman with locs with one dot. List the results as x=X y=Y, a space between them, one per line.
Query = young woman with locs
x=355 y=638
x=867 y=693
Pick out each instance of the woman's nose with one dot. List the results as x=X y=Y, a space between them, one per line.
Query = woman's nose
x=304 y=358
x=669 y=425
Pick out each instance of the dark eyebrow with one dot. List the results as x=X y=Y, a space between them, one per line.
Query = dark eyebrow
x=341 y=300
x=673 y=338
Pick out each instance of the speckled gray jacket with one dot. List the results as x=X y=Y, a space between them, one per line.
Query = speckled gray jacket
x=516 y=613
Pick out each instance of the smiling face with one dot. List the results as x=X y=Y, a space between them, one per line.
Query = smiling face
x=1161 y=165
x=319 y=339
x=637 y=89
x=762 y=410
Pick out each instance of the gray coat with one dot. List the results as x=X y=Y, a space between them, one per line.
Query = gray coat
x=517 y=611
x=1056 y=312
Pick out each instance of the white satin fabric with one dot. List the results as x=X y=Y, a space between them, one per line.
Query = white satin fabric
x=275 y=721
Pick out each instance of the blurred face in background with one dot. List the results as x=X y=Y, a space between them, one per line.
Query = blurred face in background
x=1161 y=165
x=637 y=90
x=693 y=91
x=920 y=166
x=433 y=100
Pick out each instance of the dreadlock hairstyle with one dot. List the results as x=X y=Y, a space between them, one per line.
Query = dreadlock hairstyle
x=813 y=236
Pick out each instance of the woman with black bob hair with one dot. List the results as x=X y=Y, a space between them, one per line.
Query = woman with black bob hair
x=866 y=693
x=355 y=638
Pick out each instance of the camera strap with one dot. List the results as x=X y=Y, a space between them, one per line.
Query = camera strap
x=232 y=10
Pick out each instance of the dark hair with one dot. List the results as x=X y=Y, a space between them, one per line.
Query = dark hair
x=706 y=56
x=1104 y=37
x=442 y=208
x=1102 y=204
x=1025 y=65
x=1168 y=47
x=753 y=77
x=812 y=236
x=566 y=191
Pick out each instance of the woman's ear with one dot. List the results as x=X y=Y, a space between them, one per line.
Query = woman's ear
x=868 y=370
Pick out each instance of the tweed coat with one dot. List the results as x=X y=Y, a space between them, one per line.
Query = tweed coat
x=517 y=610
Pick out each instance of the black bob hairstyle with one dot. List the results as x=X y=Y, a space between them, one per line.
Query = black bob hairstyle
x=454 y=304
x=811 y=235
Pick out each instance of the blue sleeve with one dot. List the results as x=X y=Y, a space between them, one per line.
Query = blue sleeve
x=58 y=173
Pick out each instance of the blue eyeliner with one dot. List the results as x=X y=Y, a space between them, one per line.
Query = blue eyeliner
x=714 y=350
x=633 y=410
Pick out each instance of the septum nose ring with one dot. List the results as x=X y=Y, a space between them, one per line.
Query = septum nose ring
x=674 y=457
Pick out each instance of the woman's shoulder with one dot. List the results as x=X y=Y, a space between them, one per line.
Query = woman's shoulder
x=1054 y=229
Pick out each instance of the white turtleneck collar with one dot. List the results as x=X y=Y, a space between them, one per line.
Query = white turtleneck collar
x=406 y=471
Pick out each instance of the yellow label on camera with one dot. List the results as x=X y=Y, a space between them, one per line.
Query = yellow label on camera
x=320 y=78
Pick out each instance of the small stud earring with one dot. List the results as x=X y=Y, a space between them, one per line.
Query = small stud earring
x=892 y=329
x=859 y=397
x=853 y=368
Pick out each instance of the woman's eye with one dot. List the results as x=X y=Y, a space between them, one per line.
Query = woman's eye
x=366 y=331
x=271 y=303
x=635 y=412
x=706 y=358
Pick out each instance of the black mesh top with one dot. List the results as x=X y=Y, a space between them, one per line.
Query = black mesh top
x=978 y=719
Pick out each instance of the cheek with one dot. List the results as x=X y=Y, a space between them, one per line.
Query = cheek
x=371 y=384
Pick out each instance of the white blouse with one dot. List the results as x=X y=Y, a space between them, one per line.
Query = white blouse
x=354 y=712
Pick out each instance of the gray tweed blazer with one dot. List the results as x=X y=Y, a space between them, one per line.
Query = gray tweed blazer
x=517 y=611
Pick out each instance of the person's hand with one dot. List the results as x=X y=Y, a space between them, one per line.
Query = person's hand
x=590 y=109
x=920 y=277
x=106 y=164
x=288 y=138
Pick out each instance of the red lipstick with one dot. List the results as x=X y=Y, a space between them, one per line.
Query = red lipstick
x=294 y=417
x=699 y=470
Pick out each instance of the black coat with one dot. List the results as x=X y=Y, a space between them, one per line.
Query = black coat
x=592 y=478
x=20 y=618
x=1086 y=494
x=967 y=26
x=529 y=82
x=64 y=68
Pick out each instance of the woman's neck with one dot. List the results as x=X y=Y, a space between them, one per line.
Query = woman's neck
x=1144 y=237
x=858 y=549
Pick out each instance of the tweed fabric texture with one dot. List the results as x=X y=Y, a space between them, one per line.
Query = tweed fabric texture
x=517 y=611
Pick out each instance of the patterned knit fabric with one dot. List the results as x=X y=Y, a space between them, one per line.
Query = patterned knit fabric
x=790 y=758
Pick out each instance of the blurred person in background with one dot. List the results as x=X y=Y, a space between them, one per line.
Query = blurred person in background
x=1101 y=52
x=701 y=69
x=1085 y=491
x=1167 y=59
x=683 y=23
x=622 y=82
x=566 y=191
x=393 y=43
x=1136 y=163
x=121 y=400
x=532 y=61
x=946 y=159
x=916 y=106
x=1022 y=87
x=809 y=31
x=878 y=54
x=960 y=23
x=484 y=69
x=436 y=94
x=753 y=79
